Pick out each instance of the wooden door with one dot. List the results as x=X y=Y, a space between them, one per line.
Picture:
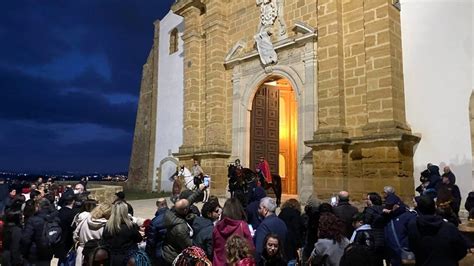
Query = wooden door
x=264 y=128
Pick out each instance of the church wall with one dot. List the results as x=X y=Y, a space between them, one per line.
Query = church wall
x=169 y=107
x=438 y=62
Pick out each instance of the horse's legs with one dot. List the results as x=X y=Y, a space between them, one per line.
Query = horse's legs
x=276 y=186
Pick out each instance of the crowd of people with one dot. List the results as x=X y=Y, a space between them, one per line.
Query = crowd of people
x=44 y=221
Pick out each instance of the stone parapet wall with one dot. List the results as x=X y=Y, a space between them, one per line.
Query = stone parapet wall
x=100 y=191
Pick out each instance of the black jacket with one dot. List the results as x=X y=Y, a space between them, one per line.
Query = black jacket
x=121 y=243
x=345 y=211
x=295 y=225
x=11 y=252
x=373 y=215
x=66 y=215
x=202 y=235
x=435 y=242
x=33 y=244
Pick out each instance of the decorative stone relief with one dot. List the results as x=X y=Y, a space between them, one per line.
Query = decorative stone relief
x=270 y=10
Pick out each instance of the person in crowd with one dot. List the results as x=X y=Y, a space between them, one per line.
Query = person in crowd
x=120 y=196
x=11 y=197
x=330 y=246
x=444 y=203
x=273 y=252
x=178 y=222
x=469 y=205
x=84 y=181
x=204 y=225
x=4 y=194
x=233 y=222
x=311 y=218
x=34 y=245
x=364 y=236
x=11 y=239
x=35 y=195
x=138 y=257
x=85 y=211
x=29 y=210
x=357 y=255
x=251 y=210
x=96 y=253
x=345 y=211
x=396 y=233
x=238 y=251
x=448 y=185
x=373 y=215
x=270 y=224
x=79 y=188
x=185 y=194
x=449 y=173
x=66 y=216
x=434 y=241
x=91 y=228
x=290 y=214
x=120 y=234
x=156 y=232
x=387 y=190
x=192 y=256
x=431 y=179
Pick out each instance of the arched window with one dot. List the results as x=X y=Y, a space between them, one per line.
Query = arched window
x=174 y=41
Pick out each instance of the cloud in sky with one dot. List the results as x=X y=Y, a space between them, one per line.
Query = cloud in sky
x=70 y=75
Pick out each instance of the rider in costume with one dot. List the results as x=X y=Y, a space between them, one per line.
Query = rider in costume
x=264 y=168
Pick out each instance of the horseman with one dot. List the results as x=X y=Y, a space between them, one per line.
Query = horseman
x=263 y=170
x=198 y=178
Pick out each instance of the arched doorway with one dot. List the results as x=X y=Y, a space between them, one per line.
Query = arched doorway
x=273 y=130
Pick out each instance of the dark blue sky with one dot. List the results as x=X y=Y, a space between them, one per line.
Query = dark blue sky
x=70 y=75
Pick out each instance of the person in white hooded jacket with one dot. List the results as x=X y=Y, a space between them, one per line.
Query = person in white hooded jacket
x=91 y=227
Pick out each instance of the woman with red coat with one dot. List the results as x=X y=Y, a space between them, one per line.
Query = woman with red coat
x=232 y=223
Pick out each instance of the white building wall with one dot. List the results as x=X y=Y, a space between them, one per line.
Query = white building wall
x=437 y=58
x=169 y=135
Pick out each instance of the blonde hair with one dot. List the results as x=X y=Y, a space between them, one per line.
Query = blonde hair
x=103 y=210
x=236 y=249
x=118 y=216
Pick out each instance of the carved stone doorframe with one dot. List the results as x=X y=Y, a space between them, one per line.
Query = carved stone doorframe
x=247 y=78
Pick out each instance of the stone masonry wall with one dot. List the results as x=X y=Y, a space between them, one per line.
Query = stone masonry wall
x=361 y=114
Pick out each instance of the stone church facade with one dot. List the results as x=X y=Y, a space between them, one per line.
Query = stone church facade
x=341 y=62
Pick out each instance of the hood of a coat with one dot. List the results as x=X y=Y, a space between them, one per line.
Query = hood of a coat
x=227 y=227
x=429 y=224
x=96 y=224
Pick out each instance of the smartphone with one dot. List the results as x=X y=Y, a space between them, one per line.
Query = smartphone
x=334 y=201
x=206 y=181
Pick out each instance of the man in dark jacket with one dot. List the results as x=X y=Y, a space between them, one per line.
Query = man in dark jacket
x=203 y=226
x=178 y=229
x=3 y=194
x=33 y=244
x=345 y=211
x=156 y=232
x=251 y=210
x=66 y=216
x=397 y=214
x=270 y=224
x=434 y=241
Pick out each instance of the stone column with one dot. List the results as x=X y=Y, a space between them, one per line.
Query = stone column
x=141 y=169
x=307 y=111
x=194 y=42
x=362 y=142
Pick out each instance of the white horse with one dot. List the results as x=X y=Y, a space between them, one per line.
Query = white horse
x=188 y=178
x=189 y=182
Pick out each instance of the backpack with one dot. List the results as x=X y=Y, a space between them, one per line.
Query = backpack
x=51 y=234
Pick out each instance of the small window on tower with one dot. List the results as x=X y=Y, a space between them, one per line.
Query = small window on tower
x=174 y=41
